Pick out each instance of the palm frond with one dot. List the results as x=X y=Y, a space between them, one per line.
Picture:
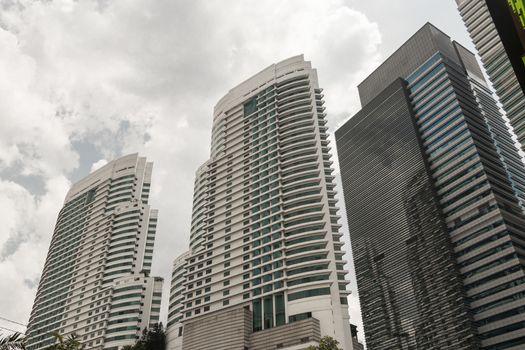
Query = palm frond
x=13 y=341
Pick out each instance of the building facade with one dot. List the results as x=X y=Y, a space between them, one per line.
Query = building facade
x=95 y=281
x=265 y=249
x=176 y=303
x=355 y=341
x=490 y=25
x=433 y=192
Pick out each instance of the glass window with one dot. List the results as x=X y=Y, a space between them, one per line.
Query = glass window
x=268 y=312
x=257 y=315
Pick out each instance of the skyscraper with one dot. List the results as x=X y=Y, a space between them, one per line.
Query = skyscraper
x=265 y=268
x=499 y=37
x=432 y=187
x=95 y=282
x=355 y=341
x=176 y=303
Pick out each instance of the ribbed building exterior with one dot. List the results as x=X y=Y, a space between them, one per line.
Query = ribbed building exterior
x=176 y=302
x=265 y=248
x=486 y=38
x=95 y=281
x=432 y=187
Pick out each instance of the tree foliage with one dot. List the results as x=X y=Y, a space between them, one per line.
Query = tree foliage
x=326 y=343
x=15 y=341
x=69 y=343
x=152 y=339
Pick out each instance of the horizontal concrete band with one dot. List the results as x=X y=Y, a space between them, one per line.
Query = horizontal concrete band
x=232 y=329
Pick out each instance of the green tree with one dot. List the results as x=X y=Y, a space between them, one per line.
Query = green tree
x=69 y=343
x=152 y=339
x=155 y=338
x=326 y=343
x=14 y=341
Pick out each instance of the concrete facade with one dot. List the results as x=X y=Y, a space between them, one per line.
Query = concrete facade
x=265 y=232
x=231 y=328
x=227 y=329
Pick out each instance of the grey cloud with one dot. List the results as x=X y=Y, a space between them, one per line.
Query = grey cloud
x=13 y=242
x=31 y=283
x=33 y=183
x=88 y=154
x=11 y=4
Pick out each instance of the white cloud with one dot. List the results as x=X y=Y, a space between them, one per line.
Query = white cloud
x=98 y=164
x=143 y=76
x=31 y=136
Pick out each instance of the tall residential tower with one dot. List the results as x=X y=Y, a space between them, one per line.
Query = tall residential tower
x=95 y=282
x=432 y=186
x=500 y=41
x=265 y=268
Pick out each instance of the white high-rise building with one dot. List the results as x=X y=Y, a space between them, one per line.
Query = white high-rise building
x=265 y=268
x=176 y=302
x=95 y=282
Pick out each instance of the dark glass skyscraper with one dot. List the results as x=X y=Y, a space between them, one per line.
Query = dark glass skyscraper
x=433 y=189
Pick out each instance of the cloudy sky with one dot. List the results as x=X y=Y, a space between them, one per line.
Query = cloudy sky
x=83 y=82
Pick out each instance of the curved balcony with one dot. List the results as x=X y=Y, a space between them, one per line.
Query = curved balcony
x=293 y=91
x=303 y=221
x=300 y=152
x=117 y=264
x=307 y=143
x=308 y=207
x=126 y=227
x=297 y=273
x=289 y=199
x=297 y=204
x=294 y=134
x=299 y=162
x=296 y=140
x=120 y=188
x=308 y=267
x=294 y=103
x=294 y=111
x=301 y=185
x=296 y=124
x=302 y=93
x=309 y=280
x=283 y=120
x=309 y=172
x=310 y=246
x=127 y=240
x=293 y=123
x=314 y=229
x=292 y=83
